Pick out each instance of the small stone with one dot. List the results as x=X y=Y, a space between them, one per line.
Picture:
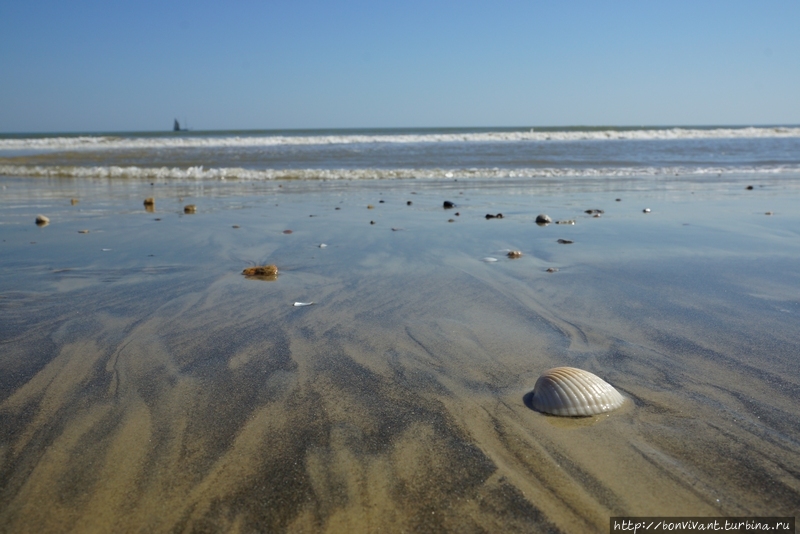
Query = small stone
x=381 y=201
x=451 y=220
x=370 y=207
x=236 y=226
x=565 y=241
x=458 y=214
x=447 y=205
x=749 y=187
x=322 y=245
x=768 y=213
x=569 y=221
x=594 y=211
x=287 y=232
x=551 y=270
x=489 y=216
x=646 y=210
x=372 y=222
x=74 y=201
x=543 y=219
x=190 y=208
x=83 y=231
x=619 y=200
x=42 y=220
x=408 y=203
x=149 y=201
x=514 y=254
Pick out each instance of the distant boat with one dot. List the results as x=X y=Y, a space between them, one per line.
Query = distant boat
x=177 y=126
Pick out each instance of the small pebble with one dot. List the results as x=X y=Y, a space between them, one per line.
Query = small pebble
x=451 y=220
x=490 y=260
x=619 y=200
x=543 y=219
x=408 y=203
x=287 y=232
x=236 y=226
x=42 y=220
x=372 y=222
x=749 y=187
x=646 y=210
x=83 y=231
x=570 y=221
x=514 y=254
x=381 y=201
x=74 y=201
x=322 y=245
x=551 y=270
x=768 y=213
x=565 y=241
x=189 y=208
x=447 y=205
x=149 y=201
x=594 y=211
x=370 y=207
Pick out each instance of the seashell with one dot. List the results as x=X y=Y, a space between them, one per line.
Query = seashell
x=568 y=391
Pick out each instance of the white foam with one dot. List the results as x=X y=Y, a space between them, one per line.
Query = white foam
x=201 y=173
x=134 y=143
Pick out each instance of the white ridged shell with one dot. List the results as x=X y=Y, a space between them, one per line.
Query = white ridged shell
x=574 y=392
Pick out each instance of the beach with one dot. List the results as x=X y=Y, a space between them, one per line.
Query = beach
x=147 y=385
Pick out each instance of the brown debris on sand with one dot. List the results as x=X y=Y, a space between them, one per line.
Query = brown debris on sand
x=190 y=208
x=261 y=270
x=514 y=254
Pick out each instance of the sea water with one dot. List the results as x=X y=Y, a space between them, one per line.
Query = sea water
x=457 y=153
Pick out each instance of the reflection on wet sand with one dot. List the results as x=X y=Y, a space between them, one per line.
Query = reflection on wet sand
x=395 y=403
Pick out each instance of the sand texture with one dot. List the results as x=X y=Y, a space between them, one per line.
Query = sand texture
x=146 y=385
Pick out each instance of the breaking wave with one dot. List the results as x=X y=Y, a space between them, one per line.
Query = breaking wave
x=109 y=142
x=201 y=173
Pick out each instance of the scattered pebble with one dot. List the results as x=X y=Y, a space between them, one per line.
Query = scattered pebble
x=594 y=212
x=42 y=220
x=618 y=200
x=149 y=201
x=514 y=254
x=235 y=226
x=551 y=270
x=458 y=214
x=381 y=201
x=408 y=203
x=451 y=220
x=568 y=221
x=490 y=260
x=490 y=216
x=106 y=249
x=261 y=270
x=302 y=304
x=565 y=241
x=372 y=222
x=287 y=232
x=447 y=205
x=370 y=207
x=543 y=219
x=322 y=245
x=337 y=208
x=596 y=216
x=189 y=208
x=74 y=201
x=768 y=213
x=397 y=229
x=646 y=210
x=749 y=187
x=83 y=231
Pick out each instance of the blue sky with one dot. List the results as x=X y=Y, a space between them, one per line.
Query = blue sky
x=131 y=66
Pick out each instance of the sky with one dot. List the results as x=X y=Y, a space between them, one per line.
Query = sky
x=95 y=66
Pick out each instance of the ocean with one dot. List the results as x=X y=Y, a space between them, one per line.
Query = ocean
x=444 y=153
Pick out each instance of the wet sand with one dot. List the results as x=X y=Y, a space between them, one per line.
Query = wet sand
x=146 y=385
